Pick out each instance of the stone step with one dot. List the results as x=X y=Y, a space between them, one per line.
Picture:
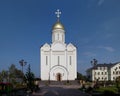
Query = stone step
x=75 y=82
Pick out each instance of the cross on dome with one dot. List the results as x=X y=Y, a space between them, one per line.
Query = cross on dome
x=58 y=13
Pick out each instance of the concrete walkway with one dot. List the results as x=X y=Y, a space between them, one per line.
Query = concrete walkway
x=59 y=91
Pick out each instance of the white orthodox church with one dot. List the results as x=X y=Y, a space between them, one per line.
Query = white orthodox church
x=58 y=60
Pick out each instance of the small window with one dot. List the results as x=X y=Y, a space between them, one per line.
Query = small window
x=113 y=78
x=102 y=73
x=117 y=73
x=113 y=72
x=105 y=73
x=98 y=73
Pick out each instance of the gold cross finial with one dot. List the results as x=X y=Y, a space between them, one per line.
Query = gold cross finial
x=58 y=13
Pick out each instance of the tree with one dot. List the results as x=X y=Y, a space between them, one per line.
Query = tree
x=80 y=76
x=4 y=75
x=11 y=75
x=118 y=83
x=29 y=76
x=14 y=73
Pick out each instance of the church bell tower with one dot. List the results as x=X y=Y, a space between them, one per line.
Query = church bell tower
x=58 y=32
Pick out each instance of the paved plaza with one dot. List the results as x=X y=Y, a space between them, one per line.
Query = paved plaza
x=59 y=91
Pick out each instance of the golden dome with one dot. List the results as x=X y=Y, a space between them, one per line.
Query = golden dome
x=58 y=25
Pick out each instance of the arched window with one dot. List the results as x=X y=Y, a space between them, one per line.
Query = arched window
x=58 y=36
x=62 y=37
x=70 y=60
x=58 y=60
x=46 y=60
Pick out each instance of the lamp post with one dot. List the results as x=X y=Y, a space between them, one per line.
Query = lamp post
x=104 y=74
x=22 y=64
x=94 y=63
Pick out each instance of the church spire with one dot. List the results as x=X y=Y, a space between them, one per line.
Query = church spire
x=58 y=14
x=58 y=32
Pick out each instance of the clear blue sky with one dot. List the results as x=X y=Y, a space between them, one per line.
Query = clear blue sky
x=92 y=25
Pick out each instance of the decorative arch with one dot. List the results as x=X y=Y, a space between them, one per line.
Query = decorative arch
x=58 y=69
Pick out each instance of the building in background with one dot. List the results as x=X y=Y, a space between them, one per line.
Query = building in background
x=104 y=72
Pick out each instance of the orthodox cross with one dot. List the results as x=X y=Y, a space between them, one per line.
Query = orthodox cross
x=58 y=13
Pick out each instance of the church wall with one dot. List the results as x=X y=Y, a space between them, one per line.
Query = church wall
x=64 y=60
x=58 y=58
x=75 y=60
x=72 y=65
x=45 y=65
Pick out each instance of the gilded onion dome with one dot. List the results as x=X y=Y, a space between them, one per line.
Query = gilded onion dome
x=58 y=25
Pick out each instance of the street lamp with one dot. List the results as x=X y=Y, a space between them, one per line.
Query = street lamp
x=94 y=63
x=104 y=74
x=22 y=63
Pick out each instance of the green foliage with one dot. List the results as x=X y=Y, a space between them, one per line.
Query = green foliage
x=80 y=76
x=14 y=73
x=110 y=89
x=118 y=83
x=5 y=87
x=11 y=75
x=29 y=76
x=3 y=75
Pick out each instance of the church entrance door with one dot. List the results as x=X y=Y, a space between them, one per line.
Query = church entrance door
x=58 y=77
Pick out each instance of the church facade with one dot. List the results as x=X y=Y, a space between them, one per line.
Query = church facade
x=58 y=59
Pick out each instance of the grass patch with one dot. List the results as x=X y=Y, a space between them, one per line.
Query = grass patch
x=111 y=89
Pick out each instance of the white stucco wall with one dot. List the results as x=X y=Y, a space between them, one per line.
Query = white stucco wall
x=111 y=73
x=115 y=69
x=58 y=58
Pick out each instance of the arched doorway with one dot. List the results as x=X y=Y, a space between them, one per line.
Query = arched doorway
x=63 y=73
x=58 y=77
